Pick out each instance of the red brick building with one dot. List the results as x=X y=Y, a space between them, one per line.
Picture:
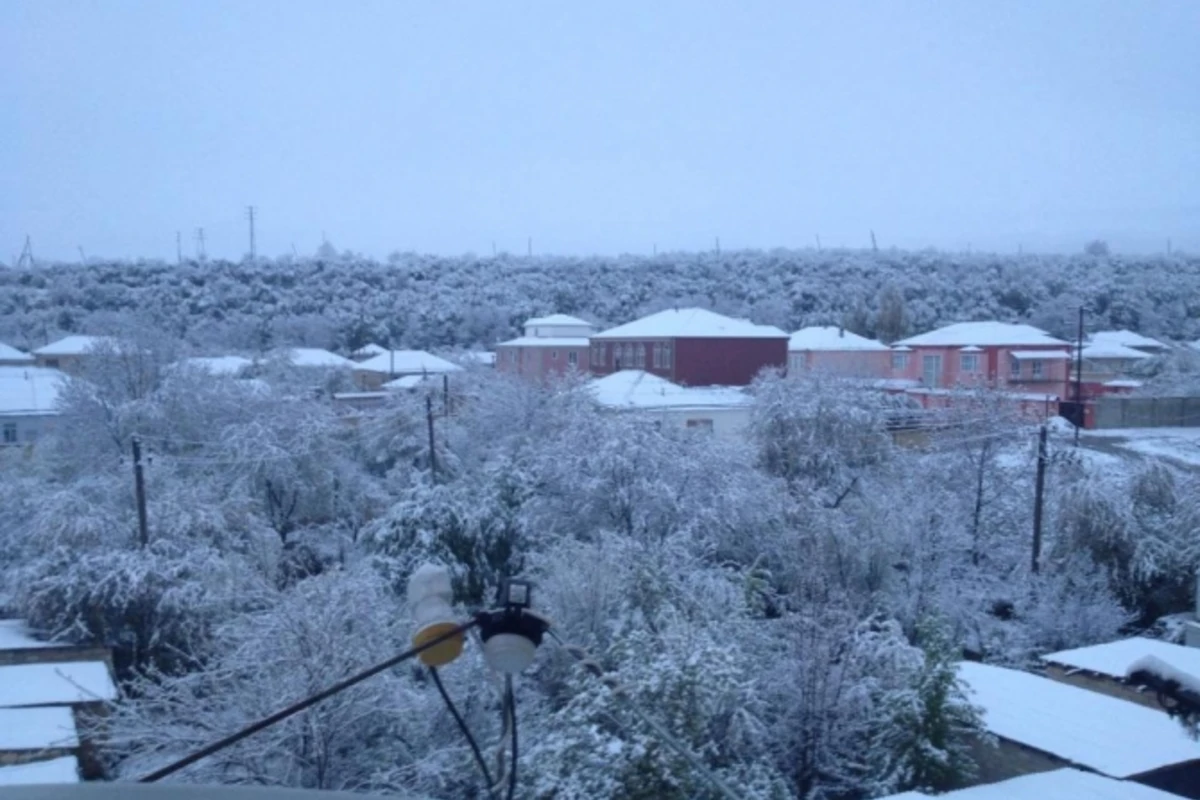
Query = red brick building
x=691 y=347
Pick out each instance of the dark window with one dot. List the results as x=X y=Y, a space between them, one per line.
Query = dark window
x=572 y=357
x=10 y=433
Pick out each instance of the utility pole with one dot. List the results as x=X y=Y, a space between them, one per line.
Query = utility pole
x=445 y=395
x=139 y=488
x=250 y=216
x=530 y=247
x=26 y=257
x=82 y=257
x=718 y=244
x=200 y=254
x=493 y=248
x=433 y=465
x=818 y=242
x=874 y=246
x=178 y=247
x=1038 y=501
x=1079 y=378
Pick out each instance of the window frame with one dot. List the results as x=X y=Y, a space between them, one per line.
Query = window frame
x=968 y=358
x=1037 y=369
x=9 y=434
x=572 y=358
x=900 y=361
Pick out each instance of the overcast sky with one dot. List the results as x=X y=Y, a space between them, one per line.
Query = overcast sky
x=616 y=127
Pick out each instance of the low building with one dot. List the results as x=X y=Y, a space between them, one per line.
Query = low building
x=998 y=355
x=28 y=403
x=1103 y=667
x=12 y=357
x=69 y=352
x=833 y=350
x=723 y=411
x=1058 y=784
x=691 y=347
x=372 y=374
x=1131 y=339
x=1042 y=725
x=550 y=346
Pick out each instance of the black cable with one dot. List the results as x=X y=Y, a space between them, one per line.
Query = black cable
x=308 y=702
x=462 y=726
x=510 y=700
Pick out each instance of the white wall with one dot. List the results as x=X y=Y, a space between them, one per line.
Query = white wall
x=28 y=428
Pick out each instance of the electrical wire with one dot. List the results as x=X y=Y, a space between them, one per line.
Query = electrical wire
x=466 y=732
x=306 y=703
x=619 y=691
x=510 y=701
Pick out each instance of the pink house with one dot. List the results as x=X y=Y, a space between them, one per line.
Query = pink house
x=551 y=346
x=836 y=351
x=1017 y=358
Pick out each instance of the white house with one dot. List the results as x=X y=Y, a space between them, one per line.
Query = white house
x=12 y=357
x=724 y=411
x=370 y=375
x=1131 y=339
x=66 y=353
x=28 y=402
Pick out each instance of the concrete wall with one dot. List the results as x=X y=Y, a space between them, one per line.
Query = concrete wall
x=1147 y=412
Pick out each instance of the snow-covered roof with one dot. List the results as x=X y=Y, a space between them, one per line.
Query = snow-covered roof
x=1113 y=350
x=29 y=391
x=971 y=349
x=37 y=728
x=57 y=683
x=401 y=362
x=11 y=354
x=1111 y=736
x=1124 y=383
x=1127 y=339
x=547 y=341
x=1114 y=658
x=72 y=346
x=691 y=323
x=1058 y=784
x=219 y=366
x=558 y=319
x=316 y=357
x=899 y=348
x=482 y=357
x=632 y=388
x=54 y=771
x=831 y=338
x=982 y=334
x=368 y=350
x=1040 y=355
x=14 y=635
x=406 y=382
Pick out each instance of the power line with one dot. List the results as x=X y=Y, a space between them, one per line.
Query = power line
x=476 y=753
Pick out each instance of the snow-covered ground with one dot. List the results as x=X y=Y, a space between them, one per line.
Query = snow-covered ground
x=1181 y=445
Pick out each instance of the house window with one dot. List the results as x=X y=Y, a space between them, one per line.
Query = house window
x=512 y=356
x=970 y=362
x=572 y=358
x=554 y=355
x=700 y=424
x=10 y=433
x=658 y=355
x=1015 y=368
x=52 y=363
x=1037 y=368
x=900 y=361
x=666 y=355
x=639 y=355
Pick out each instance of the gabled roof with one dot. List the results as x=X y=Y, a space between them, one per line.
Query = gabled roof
x=1126 y=338
x=1115 y=658
x=1040 y=355
x=1111 y=736
x=60 y=683
x=72 y=346
x=1058 y=784
x=691 y=323
x=402 y=362
x=367 y=350
x=1113 y=350
x=29 y=391
x=831 y=338
x=12 y=354
x=983 y=334
x=633 y=388
x=316 y=357
x=558 y=319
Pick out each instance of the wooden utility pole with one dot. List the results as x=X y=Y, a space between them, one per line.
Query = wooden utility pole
x=253 y=248
x=445 y=395
x=178 y=247
x=1079 y=409
x=874 y=246
x=529 y=246
x=1038 y=498
x=818 y=242
x=139 y=489
x=433 y=465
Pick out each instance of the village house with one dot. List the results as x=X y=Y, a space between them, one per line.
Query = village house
x=833 y=350
x=1104 y=667
x=28 y=403
x=691 y=347
x=1042 y=724
x=1130 y=339
x=720 y=410
x=379 y=372
x=68 y=353
x=998 y=355
x=12 y=357
x=549 y=346
x=368 y=351
x=1104 y=368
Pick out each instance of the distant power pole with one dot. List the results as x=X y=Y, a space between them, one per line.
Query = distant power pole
x=26 y=257
x=178 y=247
x=200 y=253
x=250 y=216
x=433 y=465
x=493 y=248
x=718 y=244
x=1038 y=501
x=139 y=488
x=818 y=242
x=82 y=257
x=874 y=246
x=530 y=246
x=1080 y=410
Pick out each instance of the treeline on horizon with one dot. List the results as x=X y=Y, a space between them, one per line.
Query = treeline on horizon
x=433 y=302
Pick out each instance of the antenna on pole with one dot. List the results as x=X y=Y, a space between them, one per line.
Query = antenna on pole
x=26 y=257
x=200 y=252
x=250 y=216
